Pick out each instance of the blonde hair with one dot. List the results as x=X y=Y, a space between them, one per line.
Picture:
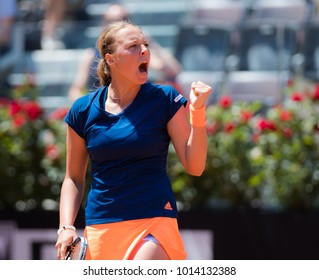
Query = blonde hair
x=106 y=44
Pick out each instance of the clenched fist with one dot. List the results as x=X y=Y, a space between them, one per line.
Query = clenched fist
x=199 y=94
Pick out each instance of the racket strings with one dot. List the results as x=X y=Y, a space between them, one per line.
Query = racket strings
x=77 y=250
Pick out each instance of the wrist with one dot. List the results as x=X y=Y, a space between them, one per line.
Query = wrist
x=197 y=116
x=191 y=107
x=62 y=228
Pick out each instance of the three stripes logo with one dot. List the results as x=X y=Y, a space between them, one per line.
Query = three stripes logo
x=168 y=206
x=177 y=98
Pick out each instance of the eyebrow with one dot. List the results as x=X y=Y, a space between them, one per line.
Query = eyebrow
x=134 y=40
x=133 y=37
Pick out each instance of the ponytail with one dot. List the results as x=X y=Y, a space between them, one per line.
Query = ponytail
x=104 y=73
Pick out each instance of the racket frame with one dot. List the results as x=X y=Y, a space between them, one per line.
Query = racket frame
x=71 y=247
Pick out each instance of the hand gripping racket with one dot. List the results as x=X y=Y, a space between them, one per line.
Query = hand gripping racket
x=77 y=249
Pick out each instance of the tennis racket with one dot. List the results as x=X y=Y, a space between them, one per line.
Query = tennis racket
x=77 y=249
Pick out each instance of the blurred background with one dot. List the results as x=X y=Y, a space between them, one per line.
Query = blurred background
x=259 y=195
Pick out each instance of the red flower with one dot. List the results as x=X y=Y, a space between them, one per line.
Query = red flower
x=315 y=95
x=52 y=151
x=271 y=125
x=264 y=125
x=225 y=102
x=18 y=120
x=32 y=109
x=212 y=128
x=246 y=115
x=229 y=127
x=287 y=132
x=297 y=96
x=285 y=115
x=15 y=108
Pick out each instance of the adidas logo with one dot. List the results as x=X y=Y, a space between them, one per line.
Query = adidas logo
x=177 y=98
x=168 y=206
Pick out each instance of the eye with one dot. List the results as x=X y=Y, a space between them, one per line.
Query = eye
x=133 y=46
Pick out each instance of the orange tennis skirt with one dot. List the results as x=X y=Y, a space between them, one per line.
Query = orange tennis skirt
x=118 y=241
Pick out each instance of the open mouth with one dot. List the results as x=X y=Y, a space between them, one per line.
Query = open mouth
x=143 y=68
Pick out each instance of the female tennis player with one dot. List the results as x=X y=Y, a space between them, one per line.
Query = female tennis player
x=124 y=128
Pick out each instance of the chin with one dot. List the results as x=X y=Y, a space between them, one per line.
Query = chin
x=143 y=80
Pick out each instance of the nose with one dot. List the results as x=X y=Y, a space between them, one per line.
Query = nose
x=144 y=49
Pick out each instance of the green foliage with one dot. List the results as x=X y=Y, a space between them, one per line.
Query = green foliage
x=32 y=152
x=257 y=157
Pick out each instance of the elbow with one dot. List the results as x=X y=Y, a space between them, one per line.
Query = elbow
x=197 y=172
x=195 y=166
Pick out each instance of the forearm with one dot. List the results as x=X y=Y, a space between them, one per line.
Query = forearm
x=190 y=141
x=197 y=143
x=196 y=152
x=70 y=201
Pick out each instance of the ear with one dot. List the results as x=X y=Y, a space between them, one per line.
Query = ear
x=109 y=59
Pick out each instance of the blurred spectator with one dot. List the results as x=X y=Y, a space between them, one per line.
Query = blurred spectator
x=7 y=20
x=44 y=21
x=54 y=13
x=164 y=66
x=31 y=15
x=8 y=11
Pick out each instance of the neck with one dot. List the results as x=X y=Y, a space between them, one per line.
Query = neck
x=118 y=94
x=116 y=98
